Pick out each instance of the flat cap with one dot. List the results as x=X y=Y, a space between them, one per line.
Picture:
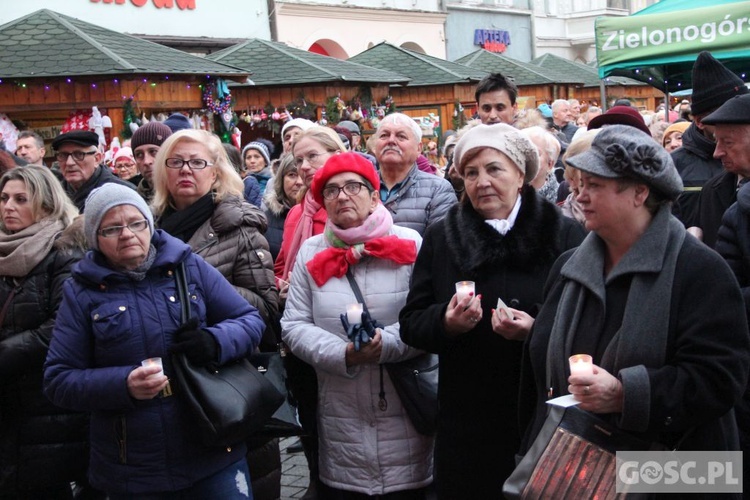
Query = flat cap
x=735 y=110
x=80 y=137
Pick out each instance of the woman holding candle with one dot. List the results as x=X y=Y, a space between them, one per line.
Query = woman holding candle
x=504 y=238
x=42 y=447
x=368 y=446
x=670 y=351
x=119 y=309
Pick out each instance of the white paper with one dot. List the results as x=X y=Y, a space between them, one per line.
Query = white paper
x=501 y=305
x=564 y=401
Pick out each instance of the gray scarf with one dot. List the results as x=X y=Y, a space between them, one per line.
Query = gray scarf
x=642 y=337
x=22 y=251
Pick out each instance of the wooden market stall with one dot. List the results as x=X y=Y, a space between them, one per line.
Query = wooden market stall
x=52 y=66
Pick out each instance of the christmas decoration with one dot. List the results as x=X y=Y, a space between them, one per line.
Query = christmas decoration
x=301 y=108
x=459 y=118
x=8 y=132
x=129 y=119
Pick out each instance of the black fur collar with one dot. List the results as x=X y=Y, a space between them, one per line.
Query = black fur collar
x=477 y=247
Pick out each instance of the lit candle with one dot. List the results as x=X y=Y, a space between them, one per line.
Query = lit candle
x=154 y=362
x=463 y=289
x=581 y=364
x=354 y=314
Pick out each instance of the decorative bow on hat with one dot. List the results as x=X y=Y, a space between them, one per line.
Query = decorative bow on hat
x=333 y=262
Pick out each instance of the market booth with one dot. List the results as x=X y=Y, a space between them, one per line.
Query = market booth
x=55 y=69
x=437 y=89
x=293 y=83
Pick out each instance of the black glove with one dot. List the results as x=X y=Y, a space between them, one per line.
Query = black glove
x=199 y=346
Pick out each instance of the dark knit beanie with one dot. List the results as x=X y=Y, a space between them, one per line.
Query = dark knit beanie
x=713 y=84
x=177 y=122
x=151 y=133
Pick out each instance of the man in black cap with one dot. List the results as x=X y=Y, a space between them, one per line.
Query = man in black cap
x=79 y=156
x=713 y=85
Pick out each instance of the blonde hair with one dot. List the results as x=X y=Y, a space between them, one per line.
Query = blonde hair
x=324 y=136
x=581 y=144
x=46 y=195
x=228 y=182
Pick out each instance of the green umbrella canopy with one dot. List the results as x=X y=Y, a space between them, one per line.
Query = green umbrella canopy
x=659 y=44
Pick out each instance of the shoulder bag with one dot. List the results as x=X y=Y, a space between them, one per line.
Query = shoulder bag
x=229 y=404
x=415 y=381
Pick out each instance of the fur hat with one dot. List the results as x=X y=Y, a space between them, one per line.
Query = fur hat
x=618 y=152
x=151 y=133
x=260 y=148
x=340 y=163
x=503 y=138
x=177 y=122
x=108 y=196
x=620 y=115
x=736 y=110
x=713 y=84
x=80 y=137
x=296 y=122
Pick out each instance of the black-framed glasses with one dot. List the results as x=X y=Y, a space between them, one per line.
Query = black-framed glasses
x=113 y=231
x=193 y=163
x=349 y=189
x=313 y=159
x=77 y=155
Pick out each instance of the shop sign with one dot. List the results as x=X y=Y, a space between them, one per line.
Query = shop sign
x=159 y=4
x=492 y=40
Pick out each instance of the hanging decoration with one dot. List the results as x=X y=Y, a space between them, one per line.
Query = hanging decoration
x=218 y=100
x=301 y=108
x=129 y=119
x=335 y=107
x=97 y=124
x=459 y=118
x=8 y=132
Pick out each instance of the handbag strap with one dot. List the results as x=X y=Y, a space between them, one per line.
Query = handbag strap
x=180 y=276
x=7 y=303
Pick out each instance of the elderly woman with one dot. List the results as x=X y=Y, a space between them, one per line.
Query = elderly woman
x=199 y=200
x=279 y=200
x=39 y=243
x=118 y=310
x=671 y=352
x=570 y=206
x=366 y=447
x=672 y=137
x=505 y=238
x=124 y=166
x=548 y=148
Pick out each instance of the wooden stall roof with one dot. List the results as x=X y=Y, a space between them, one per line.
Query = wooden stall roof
x=48 y=44
x=275 y=63
x=588 y=74
x=522 y=73
x=420 y=68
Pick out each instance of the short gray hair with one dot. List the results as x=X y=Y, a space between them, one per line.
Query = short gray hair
x=402 y=119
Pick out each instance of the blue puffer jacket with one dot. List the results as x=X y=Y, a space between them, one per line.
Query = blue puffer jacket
x=106 y=325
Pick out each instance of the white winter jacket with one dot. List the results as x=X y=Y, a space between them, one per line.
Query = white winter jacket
x=362 y=448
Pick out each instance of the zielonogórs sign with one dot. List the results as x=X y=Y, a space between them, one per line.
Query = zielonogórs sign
x=637 y=37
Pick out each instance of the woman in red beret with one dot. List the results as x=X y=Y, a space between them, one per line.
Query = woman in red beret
x=368 y=445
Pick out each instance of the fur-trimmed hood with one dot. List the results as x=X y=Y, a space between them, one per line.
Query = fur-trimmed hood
x=72 y=238
x=272 y=203
x=533 y=240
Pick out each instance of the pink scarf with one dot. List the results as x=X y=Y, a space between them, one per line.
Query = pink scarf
x=348 y=246
x=303 y=231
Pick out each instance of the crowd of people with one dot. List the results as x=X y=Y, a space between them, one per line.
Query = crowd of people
x=621 y=234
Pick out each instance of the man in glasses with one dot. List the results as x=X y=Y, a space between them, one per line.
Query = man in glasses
x=79 y=158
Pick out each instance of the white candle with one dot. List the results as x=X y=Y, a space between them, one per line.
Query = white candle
x=463 y=289
x=354 y=313
x=154 y=362
x=581 y=364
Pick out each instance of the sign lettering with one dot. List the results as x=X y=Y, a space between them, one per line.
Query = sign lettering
x=159 y=4
x=492 y=40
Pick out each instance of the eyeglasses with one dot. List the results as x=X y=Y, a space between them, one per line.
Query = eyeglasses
x=124 y=166
x=313 y=159
x=113 y=231
x=193 y=163
x=349 y=189
x=77 y=155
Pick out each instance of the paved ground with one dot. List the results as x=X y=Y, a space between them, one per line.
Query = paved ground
x=294 y=473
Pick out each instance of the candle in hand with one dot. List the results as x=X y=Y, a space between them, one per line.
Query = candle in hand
x=354 y=314
x=581 y=364
x=154 y=362
x=463 y=289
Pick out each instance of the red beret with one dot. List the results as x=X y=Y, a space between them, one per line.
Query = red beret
x=340 y=163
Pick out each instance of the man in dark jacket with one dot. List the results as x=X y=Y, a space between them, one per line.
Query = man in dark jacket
x=713 y=85
x=79 y=157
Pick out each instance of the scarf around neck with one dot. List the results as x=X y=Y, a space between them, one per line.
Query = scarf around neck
x=182 y=224
x=349 y=246
x=302 y=232
x=642 y=337
x=22 y=251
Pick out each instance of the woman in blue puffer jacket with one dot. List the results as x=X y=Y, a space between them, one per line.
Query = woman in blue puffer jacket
x=121 y=308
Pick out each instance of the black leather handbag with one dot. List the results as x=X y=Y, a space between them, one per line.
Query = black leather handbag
x=228 y=404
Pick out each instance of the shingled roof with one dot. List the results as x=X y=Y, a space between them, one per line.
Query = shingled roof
x=589 y=74
x=522 y=73
x=275 y=63
x=421 y=68
x=46 y=44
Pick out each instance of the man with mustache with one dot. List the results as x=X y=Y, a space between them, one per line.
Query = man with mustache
x=415 y=199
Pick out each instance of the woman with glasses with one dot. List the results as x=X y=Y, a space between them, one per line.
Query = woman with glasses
x=118 y=323
x=198 y=198
x=310 y=151
x=125 y=167
x=368 y=446
x=39 y=243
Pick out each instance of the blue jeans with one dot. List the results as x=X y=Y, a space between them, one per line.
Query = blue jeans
x=230 y=483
